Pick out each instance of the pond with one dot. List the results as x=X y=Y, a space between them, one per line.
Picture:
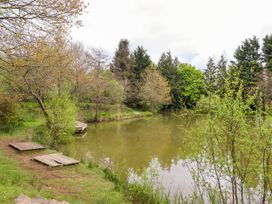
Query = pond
x=160 y=142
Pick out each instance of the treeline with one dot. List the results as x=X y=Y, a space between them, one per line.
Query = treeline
x=174 y=85
x=252 y=66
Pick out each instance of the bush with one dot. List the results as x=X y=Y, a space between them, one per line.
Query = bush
x=203 y=105
x=62 y=119
x=9 y=113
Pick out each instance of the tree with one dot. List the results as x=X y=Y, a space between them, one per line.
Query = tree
x=103 y=90
x=267 y=52
x=39 y=69
x=9 y=117
x=168 y=67
x=61 y=111
x=248 y=62
x=141 y=60
x=267 y=72
x=210 y=76
x=79 y=70
x=155 y=90
x=29 y=29
x=222 y=75
x=28 y=21
x=98 y=58
x=191 y=85
x=122 y=63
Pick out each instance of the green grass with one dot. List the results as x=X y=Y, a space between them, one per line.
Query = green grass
x=14 y=181
x=111 y=113
x=79 y=185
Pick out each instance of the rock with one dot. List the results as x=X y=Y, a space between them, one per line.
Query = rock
x=23 y=199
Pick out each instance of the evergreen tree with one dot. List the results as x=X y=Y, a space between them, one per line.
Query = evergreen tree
x=122 y=65
x=168 y=67
x=221 y=75
x=267 y=74
x=141 y=60
x=122 y=62
x=248 y=62
x=267 y=52
x=210 y=76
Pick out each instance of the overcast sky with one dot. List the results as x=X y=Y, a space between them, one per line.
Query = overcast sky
x=193 y=30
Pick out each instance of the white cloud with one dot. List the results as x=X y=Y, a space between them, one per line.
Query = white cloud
x=192 y=29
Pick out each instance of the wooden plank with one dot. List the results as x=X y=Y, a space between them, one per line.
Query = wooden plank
x=54 y=160
x=47 y=160
x=60 y=158
x=26 y=146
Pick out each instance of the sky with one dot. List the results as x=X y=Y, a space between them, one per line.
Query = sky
x=193 y=30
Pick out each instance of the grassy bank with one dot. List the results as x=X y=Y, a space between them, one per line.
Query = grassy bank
x=75 y=184
x=111 y=113
x=18 y=174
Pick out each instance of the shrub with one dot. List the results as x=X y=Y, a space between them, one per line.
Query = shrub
x=9 y=109
x=62 y=119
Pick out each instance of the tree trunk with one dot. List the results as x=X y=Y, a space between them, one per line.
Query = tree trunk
x=43 y=108
x=96 y=117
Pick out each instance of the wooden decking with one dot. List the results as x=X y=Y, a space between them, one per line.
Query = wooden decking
x=80 y=127
x=26 y=146
x=55 y=160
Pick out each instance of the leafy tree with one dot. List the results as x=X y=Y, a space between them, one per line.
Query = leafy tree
x=26 y=22
x=9 y=117
x=168 y=67
x=155 y=90
x=61 y=111
x=191 y=85
x=38 y=70
x=210 y=76
x=248 y=62
x=103 y=90
x=141 y=60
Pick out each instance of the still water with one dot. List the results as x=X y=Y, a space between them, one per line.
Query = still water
x=159 y=142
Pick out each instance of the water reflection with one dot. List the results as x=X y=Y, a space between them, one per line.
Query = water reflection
x=174 y=179
x=160 y=142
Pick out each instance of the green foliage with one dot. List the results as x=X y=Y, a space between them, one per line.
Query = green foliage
x=267 y=50
x=168 y=67
x=62 y=119
x=103 y=90
x=234 y=140
x=155 y=90
x=10 y=117
x=141 y=60
x=222 y=75
x=210 y=76
x=122 y=62
x=190 y=85
x=248 y=61
x=206 y=104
